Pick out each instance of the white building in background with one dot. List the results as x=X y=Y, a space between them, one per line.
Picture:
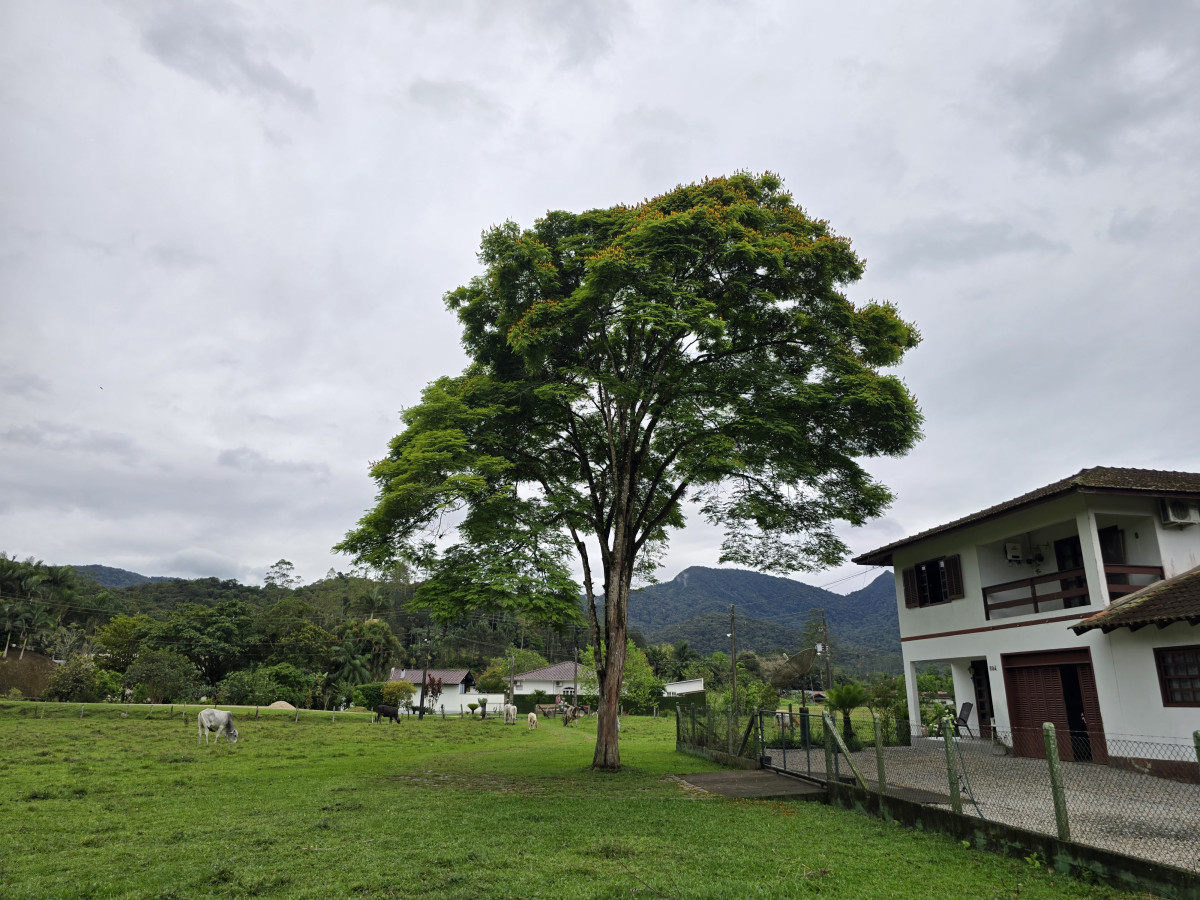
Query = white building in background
x=682 y=688
x=1077 y=603
x=558 y=680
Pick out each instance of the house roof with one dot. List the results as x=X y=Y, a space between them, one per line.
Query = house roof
x=1097 y=480
x=563 y=671
x=448 y=676
x=1176 y=599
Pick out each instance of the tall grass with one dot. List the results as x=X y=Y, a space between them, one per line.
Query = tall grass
x=104 y=806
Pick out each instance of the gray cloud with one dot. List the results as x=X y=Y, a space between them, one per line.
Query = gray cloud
x=27 y=385
x=1118 y=76
x=212 y=42
x=949 y=241
x=247 y=460
x=258 y=292
x=70 y=439
x=454 y=98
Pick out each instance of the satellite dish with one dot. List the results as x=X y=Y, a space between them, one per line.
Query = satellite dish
x=791 y=673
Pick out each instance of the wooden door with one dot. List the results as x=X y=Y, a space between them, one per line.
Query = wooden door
x=1035 y=695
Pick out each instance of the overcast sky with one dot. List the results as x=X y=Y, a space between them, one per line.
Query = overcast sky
x=226 y=228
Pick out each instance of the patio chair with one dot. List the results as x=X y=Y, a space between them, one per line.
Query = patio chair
x=960 y=721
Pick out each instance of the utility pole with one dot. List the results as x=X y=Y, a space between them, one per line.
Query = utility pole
x=575 y=685
x=828 y=651
x=733 y=653
x=512 y=678
x=424 y=677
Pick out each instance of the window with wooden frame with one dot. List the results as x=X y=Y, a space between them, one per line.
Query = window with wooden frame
x=934 y=581
x=1179 y=674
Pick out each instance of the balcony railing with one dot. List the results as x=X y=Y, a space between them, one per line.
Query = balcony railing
x=1069 y=587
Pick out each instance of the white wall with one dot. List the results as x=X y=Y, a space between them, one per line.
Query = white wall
x=1180 y=548
x=1135 y=697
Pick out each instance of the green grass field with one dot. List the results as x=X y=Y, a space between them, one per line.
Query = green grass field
x=106 y=806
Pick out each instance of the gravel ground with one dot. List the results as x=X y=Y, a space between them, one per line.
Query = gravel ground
x=1152 y=818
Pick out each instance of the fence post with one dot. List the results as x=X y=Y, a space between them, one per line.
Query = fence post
x=829 y=771
x=708 y=727
x=951 y=769
x=81 y=710
x=1196 y=741
x=879 y=754
x=1056 y=782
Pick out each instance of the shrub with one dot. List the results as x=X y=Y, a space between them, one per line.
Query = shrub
x=399 y=694
x=246 y=687
x=290 y=683
x=162 y=676
x=368 y=695
x=73 y=682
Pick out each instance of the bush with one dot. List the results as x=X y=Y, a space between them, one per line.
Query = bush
x=369 y=695
x=73 y=682
x=290 y=683
x=245 y=687
x=399 y=694
x=162 y=676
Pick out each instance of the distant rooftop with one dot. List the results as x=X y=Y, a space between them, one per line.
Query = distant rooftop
x=563 y=671
x=1097 y=480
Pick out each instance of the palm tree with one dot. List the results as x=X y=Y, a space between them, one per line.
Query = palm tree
x=36 y=624
x=681 y=657
x=846 y=698
x=11 y=613
x=348 y=664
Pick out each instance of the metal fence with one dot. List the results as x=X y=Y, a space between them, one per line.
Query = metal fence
x=1131 y=794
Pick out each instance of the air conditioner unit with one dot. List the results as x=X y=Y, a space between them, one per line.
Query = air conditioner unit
x=1179 y=513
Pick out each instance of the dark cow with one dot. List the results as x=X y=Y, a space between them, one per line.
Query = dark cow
x=387 y=712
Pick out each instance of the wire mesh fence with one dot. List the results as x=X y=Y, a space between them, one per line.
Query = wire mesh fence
x=1136 y=795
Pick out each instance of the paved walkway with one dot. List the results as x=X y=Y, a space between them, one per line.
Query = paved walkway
x=1129 y=812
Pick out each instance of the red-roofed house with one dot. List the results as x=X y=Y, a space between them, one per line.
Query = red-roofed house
x=1052 y=607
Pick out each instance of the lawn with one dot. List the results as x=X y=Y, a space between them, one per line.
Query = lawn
x=104 y=806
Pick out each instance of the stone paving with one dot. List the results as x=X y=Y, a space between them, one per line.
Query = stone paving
x=1129 y=812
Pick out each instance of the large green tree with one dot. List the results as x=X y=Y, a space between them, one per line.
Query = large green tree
x=697 y=345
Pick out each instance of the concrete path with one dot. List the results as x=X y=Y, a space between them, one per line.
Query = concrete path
x=753 y=784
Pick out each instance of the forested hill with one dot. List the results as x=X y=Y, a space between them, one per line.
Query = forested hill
x=118 y=578
x=771 y=613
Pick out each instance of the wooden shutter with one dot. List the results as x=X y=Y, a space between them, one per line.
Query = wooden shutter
x=911 y=598
x=954 y=579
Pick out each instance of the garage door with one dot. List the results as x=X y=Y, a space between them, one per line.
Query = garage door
x=1057 y=687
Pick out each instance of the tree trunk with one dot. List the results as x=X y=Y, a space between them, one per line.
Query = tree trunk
x=619 y=575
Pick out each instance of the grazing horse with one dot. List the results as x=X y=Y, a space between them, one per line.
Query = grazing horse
x=510 y=714
x=532 y=721
x=216 y=720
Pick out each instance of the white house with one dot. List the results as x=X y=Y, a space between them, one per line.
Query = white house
x=682 y=688
x=1041 y=608
x=454 y=681
x=558 y=680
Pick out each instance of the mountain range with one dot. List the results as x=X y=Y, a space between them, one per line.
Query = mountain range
x=693 y=607
x=118 y=578
x=771 y=614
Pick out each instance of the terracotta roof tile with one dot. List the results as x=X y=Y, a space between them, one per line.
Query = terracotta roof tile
x=1100 y=479
x=1173 y=600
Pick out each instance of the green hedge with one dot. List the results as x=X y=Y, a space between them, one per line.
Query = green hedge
x=369 y=695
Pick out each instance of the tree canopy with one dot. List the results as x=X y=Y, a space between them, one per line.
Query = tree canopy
x=697 y=345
